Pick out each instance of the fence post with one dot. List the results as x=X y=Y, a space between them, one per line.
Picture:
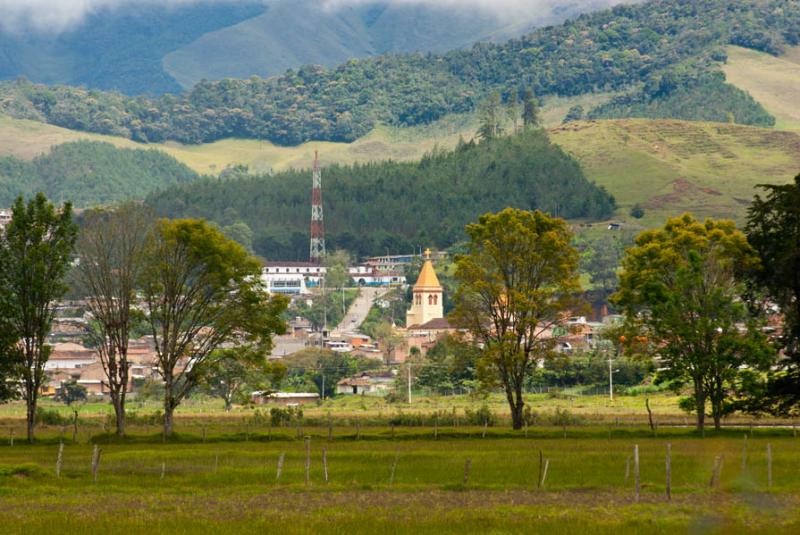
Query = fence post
x=216 y=462
x=467 y=466
x=436 y=428
x=11 y=438
x=163 y=469
x=325 y=462
x=330 y=431
x=358 y=430
x=95 y=462
x=669 y=471
x=744 y=454
x=59 y=458
x=485 y=426
x=636 y=481
x=544 y=472
x=280 y=465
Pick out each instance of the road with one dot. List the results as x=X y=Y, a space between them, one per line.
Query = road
x=358 y=311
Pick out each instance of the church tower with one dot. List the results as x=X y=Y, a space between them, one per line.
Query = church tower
x=428 y=296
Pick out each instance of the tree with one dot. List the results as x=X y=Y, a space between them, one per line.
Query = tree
x=232 y=372
x=518 y=280
x=603 y=261
x=36 y=249
x=773 y=229
x=490 y=117
x=681 y=298
x=202 y=290
x=575 y=113
x=241 y=233
x=448 y=365
x=512 y=111
x=111 y=248
x=530 y=110
x=71 y=392
x=388 y=337
x=337 y=274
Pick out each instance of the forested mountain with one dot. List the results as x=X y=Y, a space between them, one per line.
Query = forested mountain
x=161 y=47
x=634 y=48
x=390 y=206
x=90 y=173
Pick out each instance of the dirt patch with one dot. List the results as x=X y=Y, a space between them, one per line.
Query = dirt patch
x=682 y=190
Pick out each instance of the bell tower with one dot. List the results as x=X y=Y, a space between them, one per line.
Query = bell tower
x=427 y=303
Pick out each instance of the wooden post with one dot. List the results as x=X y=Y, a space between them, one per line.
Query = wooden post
x=669 y=471
x=95 y=462
x=436 y=428
x=716 y=473
x=392 y=431
x=280 y=465
x=330 y=431
x=794 y=430
x=247 y=431
x=485 y=425
x=467 y=466
x=526 y=429
x=163 y=469
x=216 y=462
x=544 y=473
x=307 y=440
x=325 y=462
x=541 y=467
x=11 y=438
x=394 y=466
x=769 y=466
x=59 y=458
x=564 y=427
x=358 y=430
x=636 y=481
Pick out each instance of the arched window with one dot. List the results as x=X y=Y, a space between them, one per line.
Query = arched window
x=435 y=299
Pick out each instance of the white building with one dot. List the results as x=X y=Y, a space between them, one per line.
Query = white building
x=295 y=278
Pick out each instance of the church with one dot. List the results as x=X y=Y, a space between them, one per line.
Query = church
x=427 y=304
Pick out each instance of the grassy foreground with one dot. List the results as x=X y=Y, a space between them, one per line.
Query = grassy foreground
x=230 y=484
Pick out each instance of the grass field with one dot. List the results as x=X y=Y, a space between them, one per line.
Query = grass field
x=229 y=484
x=673 y=166
x=773 y=81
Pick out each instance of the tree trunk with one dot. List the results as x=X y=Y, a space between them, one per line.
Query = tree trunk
x=31 y=417
x=516 y=415
x=119 y=412
x=168 y=418
x=700 y=405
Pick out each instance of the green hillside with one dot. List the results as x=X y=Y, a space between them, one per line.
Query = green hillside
x=653 y=51
x=292 y=33
x=90 y=173
x=669 y=167
x=372 y=208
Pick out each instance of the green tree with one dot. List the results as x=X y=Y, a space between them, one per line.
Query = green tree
x=682 y=303
x=337 y=273
x=575 y=113
x=773 y=229
x=602 y=262
x=36 y=249
x=518 y=277
x=490 y=117
x=233 y=372
x=202 y=290
x=241 y=233
x=71 y=392
x=111 y=252
x=388 y=338
x=530 y=110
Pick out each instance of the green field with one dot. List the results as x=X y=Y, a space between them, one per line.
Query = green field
x=229 y=484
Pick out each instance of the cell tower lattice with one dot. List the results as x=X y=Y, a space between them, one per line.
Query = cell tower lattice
x=317 y=249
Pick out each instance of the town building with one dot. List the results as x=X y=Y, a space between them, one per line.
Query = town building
x=428 y=297
x=286 y=399
x=366 y=384
x=5 y=218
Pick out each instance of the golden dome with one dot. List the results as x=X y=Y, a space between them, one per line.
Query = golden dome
x=427 y=277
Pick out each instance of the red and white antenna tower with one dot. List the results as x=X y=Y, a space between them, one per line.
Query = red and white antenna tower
x=317 y=249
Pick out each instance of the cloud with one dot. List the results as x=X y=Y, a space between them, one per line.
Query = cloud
x=55 y=16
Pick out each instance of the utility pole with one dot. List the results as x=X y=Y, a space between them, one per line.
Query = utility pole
x=610 y=379
x=323 y=386
x=408 y=367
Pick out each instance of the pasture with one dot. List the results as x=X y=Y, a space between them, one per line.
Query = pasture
x=401 y=474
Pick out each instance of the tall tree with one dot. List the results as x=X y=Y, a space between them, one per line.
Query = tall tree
x=530 y=110
x=36 y=249
x=337 y=264
x=773 y=229
x=202 y=290
x=233 y=372
x=517 y=281
x=490 y=116
x=682 y=303
x=111 y=252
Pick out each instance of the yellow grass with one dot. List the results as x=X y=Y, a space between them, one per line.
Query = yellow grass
x=774 y=82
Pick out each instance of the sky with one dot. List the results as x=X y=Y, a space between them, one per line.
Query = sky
x=58 y=15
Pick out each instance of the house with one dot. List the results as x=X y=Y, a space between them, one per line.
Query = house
x=366 y=383
x=285 y=399
x=68 y=356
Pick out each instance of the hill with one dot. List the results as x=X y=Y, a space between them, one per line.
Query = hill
x=372 y=208
x=90 y=173
x=669 y=167
x=666 y=52
x=164 y=47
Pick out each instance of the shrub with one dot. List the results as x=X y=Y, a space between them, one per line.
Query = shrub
x=481 y=416
x=51 y=417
